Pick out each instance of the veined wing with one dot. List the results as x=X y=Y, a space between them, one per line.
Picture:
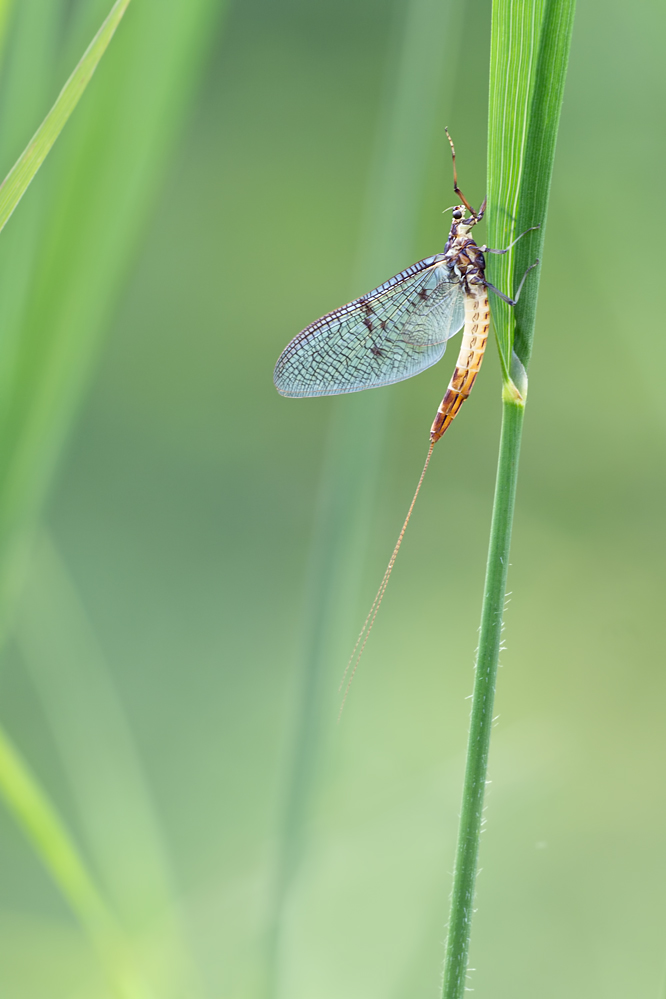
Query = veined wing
x=392 y=333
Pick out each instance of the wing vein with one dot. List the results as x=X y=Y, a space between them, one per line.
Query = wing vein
x=391 y=333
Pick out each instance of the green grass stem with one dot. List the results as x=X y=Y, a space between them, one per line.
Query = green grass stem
x=471 y=816
x=529 y=56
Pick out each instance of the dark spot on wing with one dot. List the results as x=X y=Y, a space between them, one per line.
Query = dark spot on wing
x=368 y=322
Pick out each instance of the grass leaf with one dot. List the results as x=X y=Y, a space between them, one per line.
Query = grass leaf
x=528 y=64
x=103 y=178
x=67 y=252
x=538 y=163
x=61 y=654
x=21 y=174
x=514 y=48
x=42 y=825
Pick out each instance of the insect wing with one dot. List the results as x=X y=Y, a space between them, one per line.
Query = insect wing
x=392 y=333
x=440 y=315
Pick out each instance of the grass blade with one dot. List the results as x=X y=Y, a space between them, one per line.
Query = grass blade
x=94 y=196
x=6 y=11
x=538 y=165
x=57 y=851
x=21 y=174
x=61 y=654
x=523 y=119
x=103 y=178
x=514 y=49
x=28 y=85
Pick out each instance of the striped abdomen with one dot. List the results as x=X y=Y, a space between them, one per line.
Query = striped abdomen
x=475 y=337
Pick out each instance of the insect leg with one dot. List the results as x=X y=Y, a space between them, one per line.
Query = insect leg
x=522 y=281
x=487 y=249
x=505 y=298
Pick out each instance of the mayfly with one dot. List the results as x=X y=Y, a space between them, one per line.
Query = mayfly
x=397 y=331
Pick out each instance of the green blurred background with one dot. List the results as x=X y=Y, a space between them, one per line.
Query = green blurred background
x=183 y=511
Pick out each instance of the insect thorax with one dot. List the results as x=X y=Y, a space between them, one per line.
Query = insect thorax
x=465 y=258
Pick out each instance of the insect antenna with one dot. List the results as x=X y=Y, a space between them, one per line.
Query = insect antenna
x=372 y=613
x=455 y=177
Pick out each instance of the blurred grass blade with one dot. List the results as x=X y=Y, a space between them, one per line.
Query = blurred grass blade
x=526 y=92
x=103 y=178
x=75 y=239
x=19 y=177
x=6 y=10
x=28 y=85
x=57 y=851
x=351 y=458
x=23 y=796
x=92 y=735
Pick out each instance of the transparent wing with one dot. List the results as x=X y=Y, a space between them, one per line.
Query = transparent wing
x=390 y=334
x=438 y=317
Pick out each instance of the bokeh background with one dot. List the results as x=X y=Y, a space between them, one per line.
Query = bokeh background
x=170 y=597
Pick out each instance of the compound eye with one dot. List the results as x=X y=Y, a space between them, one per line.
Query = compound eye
x=457 y=214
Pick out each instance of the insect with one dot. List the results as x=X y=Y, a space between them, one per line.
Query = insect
x=401 y=328
x=398 y=330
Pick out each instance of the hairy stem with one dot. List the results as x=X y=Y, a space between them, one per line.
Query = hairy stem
x=462 y=900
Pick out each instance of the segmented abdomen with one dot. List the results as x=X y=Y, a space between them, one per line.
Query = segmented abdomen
x=475 y=337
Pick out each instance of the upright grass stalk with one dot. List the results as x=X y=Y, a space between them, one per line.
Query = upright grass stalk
x=529 y=56
x=353 y=447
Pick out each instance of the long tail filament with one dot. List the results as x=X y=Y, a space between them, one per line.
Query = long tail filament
x=372 y=613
